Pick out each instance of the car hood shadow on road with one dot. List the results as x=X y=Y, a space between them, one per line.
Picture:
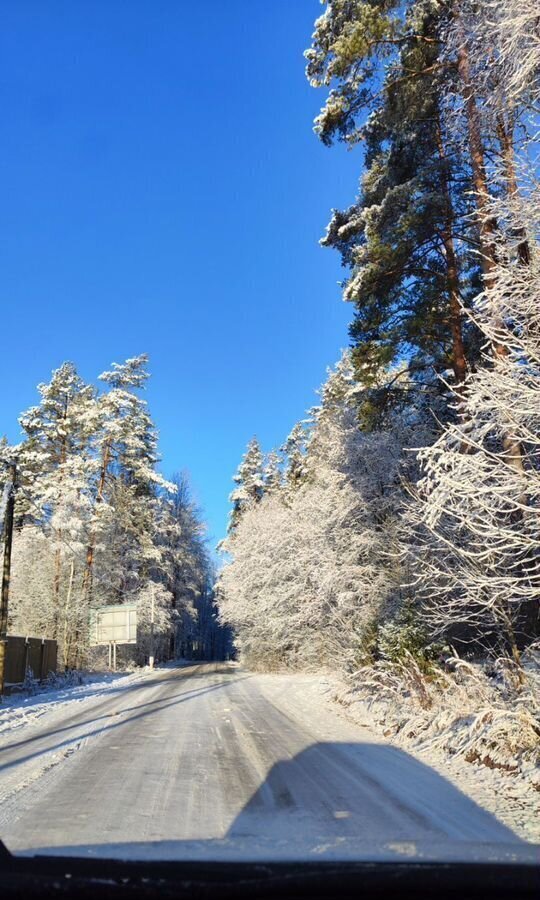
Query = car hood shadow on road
x=349 y=801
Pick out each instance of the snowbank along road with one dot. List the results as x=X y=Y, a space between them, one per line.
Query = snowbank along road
x=210 y=760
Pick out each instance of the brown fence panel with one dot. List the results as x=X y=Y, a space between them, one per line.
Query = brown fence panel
x=15 y=665
x=50 y=657
x=33 y=659
x=24 y=654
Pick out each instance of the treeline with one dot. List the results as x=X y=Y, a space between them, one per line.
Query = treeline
x=403 y=515
x=96 y=524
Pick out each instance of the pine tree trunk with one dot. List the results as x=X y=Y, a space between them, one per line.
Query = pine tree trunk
x=90 y=550
x=58 y=552
x=459 y=360
x=486 y=223
x=56 y=591
x=66 y=648
x=505 y=135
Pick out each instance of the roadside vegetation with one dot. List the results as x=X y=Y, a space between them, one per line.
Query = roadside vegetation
x=97 y=524
x=394 y=537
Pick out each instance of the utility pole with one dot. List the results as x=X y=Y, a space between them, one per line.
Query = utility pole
x=9 y=499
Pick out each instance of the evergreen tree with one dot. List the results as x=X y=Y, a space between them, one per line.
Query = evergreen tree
x=125 y=443
x=249 y=481
x=273 y=474
x=407 y=238
x=97 y=524
x=476 y=512
x=56 y=467
x=294 y=450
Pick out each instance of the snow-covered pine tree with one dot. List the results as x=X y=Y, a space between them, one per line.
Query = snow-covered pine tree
x=125 y=444
x=55 y=469
x=273 y=472
x=477 y=507
x=294 y=452
x=249 y=481
x=406 y=240
x=186 y=571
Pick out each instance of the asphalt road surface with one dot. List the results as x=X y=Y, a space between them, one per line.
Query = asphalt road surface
x=209 y=760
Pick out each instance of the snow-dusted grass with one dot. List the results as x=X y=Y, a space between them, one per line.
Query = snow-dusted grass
x=470 y=720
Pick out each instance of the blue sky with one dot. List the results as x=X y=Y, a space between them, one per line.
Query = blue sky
x=163 y=192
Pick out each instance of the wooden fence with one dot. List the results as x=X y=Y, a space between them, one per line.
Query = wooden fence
x=25 y=655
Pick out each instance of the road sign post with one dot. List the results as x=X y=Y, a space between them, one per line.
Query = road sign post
x=113 y=625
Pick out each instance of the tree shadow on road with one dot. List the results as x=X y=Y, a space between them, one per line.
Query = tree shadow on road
x=113 y=720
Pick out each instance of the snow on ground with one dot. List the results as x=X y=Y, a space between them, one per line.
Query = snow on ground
x=20 y=709
x=510 y=796
x=318 y=707
x=225 y=763
x=25 y=722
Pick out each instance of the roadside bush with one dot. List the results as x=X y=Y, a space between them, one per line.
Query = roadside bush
x=404 y=639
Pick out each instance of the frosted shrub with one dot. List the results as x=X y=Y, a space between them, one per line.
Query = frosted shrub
x=404 y=639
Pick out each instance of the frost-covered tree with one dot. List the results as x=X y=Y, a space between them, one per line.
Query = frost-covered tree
x=477 y=505
x=273 y=472
x=125 y=443
x=31 y=608
x=407 y=238
x=437 y=93
x=294 y=451
x=249 y=481
x=96 y=522
x=55 y=470
x=155 y=621
x=189 y=575
x=477 y=557
x=309 y=566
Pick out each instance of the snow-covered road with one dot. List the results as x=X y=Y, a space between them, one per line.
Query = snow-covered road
x=210 y=760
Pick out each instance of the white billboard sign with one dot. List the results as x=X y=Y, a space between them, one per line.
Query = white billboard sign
x=114 y=624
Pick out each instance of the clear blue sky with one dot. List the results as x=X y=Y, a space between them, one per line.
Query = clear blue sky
x=163 y=192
